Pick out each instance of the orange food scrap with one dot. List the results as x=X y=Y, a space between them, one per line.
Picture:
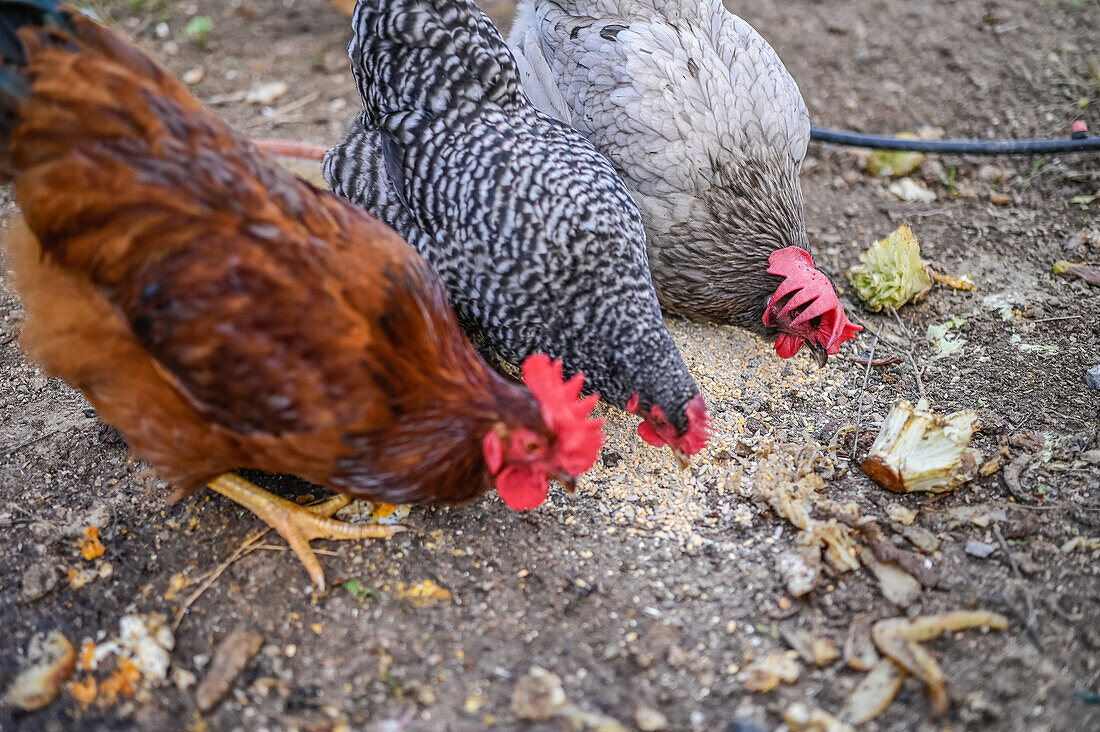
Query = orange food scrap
x=87 y=656
x=123 y=682
x=175 y=585
x=84 y=691
x=424 y=593
x=91 y=547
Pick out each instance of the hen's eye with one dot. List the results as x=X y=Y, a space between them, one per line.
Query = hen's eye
x=532 y=446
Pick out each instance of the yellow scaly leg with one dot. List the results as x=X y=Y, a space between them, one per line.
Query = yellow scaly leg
x=297 y=524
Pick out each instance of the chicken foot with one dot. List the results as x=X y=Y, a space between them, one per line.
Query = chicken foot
x=298 y=525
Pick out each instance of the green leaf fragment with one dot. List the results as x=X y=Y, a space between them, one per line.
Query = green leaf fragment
x=946 y=345
x=891 y=272
x=894 y=163
x=356 y=589
x=198 y=29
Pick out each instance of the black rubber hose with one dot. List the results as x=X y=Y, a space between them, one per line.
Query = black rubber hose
x=962 y=147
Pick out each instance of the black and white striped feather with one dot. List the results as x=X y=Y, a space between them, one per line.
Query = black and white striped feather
x=537 y=239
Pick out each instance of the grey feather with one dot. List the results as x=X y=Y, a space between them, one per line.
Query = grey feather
x=703 y=122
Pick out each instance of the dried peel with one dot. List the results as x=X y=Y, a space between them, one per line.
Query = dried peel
x=874 y=693
x=898 y=639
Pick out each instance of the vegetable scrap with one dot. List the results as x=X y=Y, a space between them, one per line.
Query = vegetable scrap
x=784 y=478
x=894 y=163
x=919 y=450
x=369 y=512
x=51 y=660
x=901 y=514
x=1081 y=542
x=141 y=653
x=1018 y=341
x=874 y=693
x=1085 y=272
x=811 y=649
x=897 y=585
x=79 y=577
x=891 y=272
x=911 y=191
x=359 y=591
x=859 y=650
x=801 y=718
x=961 y=282
x=538 y=696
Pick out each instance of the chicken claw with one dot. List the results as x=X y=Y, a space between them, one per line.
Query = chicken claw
x=297 y=524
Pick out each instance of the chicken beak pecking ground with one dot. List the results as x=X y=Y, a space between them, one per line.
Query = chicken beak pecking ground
x=681 y=457
x=568 y=482
x=819 y=354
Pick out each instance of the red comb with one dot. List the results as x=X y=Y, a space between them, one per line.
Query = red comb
x=808 y=287
x=695 y=439
x=692 y=441
x=579 y=438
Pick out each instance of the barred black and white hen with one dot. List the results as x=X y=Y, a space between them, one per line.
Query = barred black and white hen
x=537 y=239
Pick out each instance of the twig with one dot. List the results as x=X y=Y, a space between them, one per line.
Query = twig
x=1046 y=320
x=28 y=443
x=863 y=392
x=918 y=374
x=8 y=340
x=277 y=548
x=888 y=360
x=247 y=547
x=284 y=110
x=1052 y=603
x=934 y=212
x=1029 y=620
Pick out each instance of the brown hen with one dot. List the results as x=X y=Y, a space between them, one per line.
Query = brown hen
x=224 y=314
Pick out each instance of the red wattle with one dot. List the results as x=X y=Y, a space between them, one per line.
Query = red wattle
x=522 y=488
x=648 y=434
x=786 y=345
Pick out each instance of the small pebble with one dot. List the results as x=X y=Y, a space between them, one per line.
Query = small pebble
x=538 y=696
x=979 y=549
x=1092 y=377
x=194 y=76
x=611 y=458
x=38 y=580
x=650 y=720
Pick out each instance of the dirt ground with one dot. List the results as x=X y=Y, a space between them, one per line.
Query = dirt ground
x=650 y=588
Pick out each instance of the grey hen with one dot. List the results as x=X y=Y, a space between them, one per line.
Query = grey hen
x=707 y=128
x=537 y=239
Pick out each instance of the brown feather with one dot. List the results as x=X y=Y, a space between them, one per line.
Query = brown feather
x=219 y=311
